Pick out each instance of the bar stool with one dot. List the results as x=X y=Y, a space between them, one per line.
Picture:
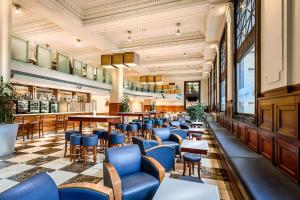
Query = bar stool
x=158 y=123
x=123 y=128
x=148 y=121
x=36 y=124
x=131 y=131
x=116 y=139
x=147 y=130
x=117 y=126
x=67 y=139
x=75 y=145
x=89 y=142
x=190 y=159
x=103 y=137
x=140 y=127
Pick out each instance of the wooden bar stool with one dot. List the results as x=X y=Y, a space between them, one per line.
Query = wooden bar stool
x=75 y=146
x=189 y=159
x=67 y=138
x=59 y=122
x=89 y=142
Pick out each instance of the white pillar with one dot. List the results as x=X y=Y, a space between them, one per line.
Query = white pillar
x=117 y=85
x=5 y=38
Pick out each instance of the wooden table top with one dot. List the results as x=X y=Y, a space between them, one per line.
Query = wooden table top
x=97 y=118
x=194 y=146
x=133 y=113
x=197 y=130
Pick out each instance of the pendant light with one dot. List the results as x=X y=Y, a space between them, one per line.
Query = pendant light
x=131 y=59
x=178 y=29
x=118 y=60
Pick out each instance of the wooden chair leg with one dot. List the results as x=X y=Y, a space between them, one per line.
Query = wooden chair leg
x=198 y=168
x=71 y=153
x=95 y=154
x=84 y=155
x=184 y=167
x=190 y=169
x=193 y=168
x=66 y=146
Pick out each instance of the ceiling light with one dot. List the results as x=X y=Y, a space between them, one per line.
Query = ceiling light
x=184 y=54
x=118 y=60
x=17 y=8
x=78 y=42
x=131 y=59
x=106 y=61
x=129 y=36
x=178 y=30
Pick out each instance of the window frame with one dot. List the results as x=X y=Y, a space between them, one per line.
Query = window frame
x=223 y=75
x=251 y=40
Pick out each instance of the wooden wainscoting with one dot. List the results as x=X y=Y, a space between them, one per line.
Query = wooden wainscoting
x=170 y=108
x=277 y=134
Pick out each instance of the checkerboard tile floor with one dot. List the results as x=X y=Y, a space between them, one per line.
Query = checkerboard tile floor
x=47 y=155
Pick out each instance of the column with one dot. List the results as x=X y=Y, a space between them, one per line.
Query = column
x=5 y=38
x=117 y=91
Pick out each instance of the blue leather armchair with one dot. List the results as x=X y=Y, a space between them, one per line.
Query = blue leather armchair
x=165 y=155
x=165 y=137
x=182 y=133
x=131 y=175
x=42 y=187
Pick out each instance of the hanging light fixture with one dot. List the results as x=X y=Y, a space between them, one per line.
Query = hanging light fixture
x=131 y=59
x=178 y=29
x=78 y=42
x=118 y=60
x=106 y=62
x=17 y=8
x=129 y=39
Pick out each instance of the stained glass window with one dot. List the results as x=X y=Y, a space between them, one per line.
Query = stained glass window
x=245 y=19
x=223 y=69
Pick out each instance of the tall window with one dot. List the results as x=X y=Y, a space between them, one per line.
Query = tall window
x=223 y=69
x=215 y=86
x=245 y=56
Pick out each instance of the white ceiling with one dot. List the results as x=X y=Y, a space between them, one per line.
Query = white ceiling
x=102 y=26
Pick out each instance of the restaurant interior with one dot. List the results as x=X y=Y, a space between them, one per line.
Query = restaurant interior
x=149 y=99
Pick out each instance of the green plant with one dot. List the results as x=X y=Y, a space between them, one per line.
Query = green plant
x=196 y=112
x=7 y=94
x=124 y=107
x=153 y=106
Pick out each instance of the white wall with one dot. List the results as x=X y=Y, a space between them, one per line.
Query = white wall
x=101 y=103
x=204 y=91
x=295 y=36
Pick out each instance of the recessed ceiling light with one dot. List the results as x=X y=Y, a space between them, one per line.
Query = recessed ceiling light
x=178 y=30
x=78 y=42
x=17 y=8
x=184 y=54
x=129 y=39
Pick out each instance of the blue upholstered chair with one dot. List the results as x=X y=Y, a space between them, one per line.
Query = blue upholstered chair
x=165 y=137
x=158 y=123
x=165 y=155
x=131 y=175
x=174 y=124
x=67 y=138
x=147 y=130
x=182 y=133
x=42 y=187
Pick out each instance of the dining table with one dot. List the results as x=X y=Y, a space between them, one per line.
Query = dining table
x=194 y=146
x=95 y=118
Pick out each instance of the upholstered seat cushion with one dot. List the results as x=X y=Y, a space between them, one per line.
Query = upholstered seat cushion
x=191 y=157
x=80 y=193
x=138 y=186
x=223 y=133
x=170 y=144
x=90 y=140
x=76 y=139
x=263 y=181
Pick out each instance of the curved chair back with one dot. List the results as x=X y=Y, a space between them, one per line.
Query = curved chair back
x=181 y=133
x=144 y=144
x=175 y=123
x=40 y=186
x=165 y=155
x=163 y=133
x=126 y=160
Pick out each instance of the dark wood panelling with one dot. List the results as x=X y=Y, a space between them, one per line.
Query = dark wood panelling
x=114 y=108
x=235 y=128
x=287 y=158
x=265 y=117
x=252 y=138
x=243 y=132
x=266 y=144
x=285 y=120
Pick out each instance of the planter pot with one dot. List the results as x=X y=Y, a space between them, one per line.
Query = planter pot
x=8 y=135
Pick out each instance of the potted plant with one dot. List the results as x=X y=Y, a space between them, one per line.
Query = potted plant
x=196 y=112
x=124 y=107
x=8 y=130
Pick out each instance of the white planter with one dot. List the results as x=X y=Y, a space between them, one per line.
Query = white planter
x=8 y=135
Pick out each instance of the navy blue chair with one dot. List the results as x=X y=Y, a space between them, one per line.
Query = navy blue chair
x=116 y=139
x=165 y=137
x=158 y=123
x=174 y=124
x=42 y=187
x=67 y=138
x=132 y=130
x=75 y=145
x=89 y=142
x=165 y=155
x=182 y=133
x=118 y=126
x=131 y=175
x=147 y=130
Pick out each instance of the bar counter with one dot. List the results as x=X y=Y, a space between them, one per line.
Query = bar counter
x=49 y=121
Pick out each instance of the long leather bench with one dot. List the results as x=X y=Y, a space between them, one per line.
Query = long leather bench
x=258 y=176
